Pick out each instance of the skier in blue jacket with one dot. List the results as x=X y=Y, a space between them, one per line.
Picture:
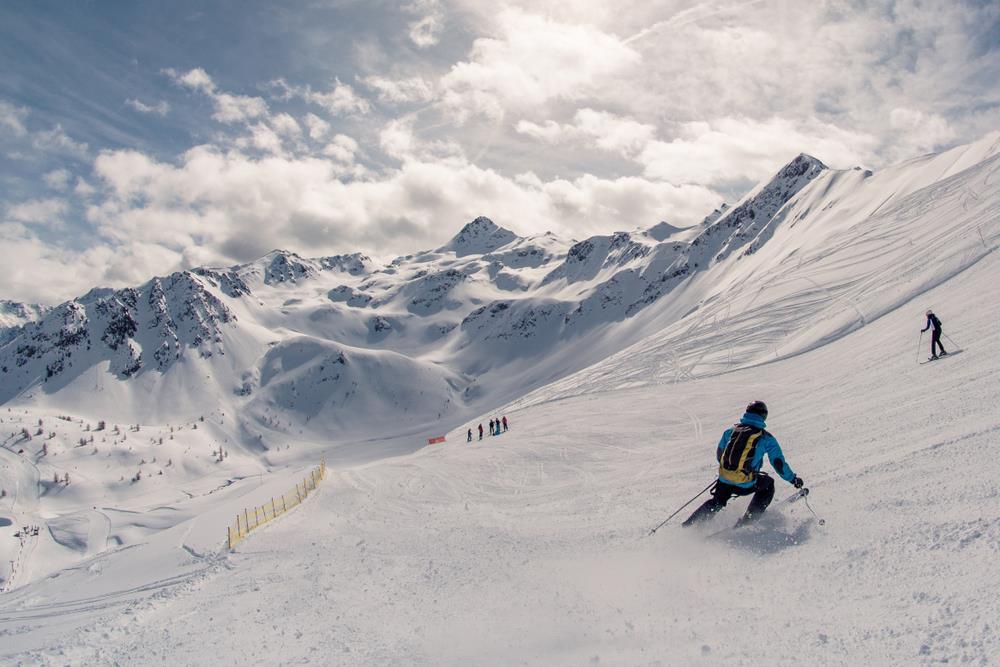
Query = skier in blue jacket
x=740 y=454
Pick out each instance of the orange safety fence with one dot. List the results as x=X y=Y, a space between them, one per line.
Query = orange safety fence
x=253 y=518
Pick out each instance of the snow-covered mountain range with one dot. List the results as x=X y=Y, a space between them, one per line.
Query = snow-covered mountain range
x=449 y=325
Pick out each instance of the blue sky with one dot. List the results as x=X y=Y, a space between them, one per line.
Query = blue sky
x=143 y=138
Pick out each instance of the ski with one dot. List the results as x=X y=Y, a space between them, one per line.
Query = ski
x=800 y=493
x=940 y=357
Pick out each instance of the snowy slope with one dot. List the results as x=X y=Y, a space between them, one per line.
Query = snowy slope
x=524 y=548
x=530 y=547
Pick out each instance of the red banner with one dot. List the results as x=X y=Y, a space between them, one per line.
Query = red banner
x=433 y=441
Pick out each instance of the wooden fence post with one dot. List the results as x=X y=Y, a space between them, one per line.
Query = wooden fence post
x=246 y=519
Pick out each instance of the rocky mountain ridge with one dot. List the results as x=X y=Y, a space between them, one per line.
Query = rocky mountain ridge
x=486 y=300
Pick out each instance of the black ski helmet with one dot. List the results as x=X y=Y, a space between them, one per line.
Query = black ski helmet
x=757 y=408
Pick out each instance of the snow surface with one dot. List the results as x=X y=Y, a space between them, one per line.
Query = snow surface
x=531 y=547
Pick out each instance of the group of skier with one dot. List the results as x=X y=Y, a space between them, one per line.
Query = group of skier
x=495 y=428
x=741 y=451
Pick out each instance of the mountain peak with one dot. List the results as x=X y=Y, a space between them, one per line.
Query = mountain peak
x=802 y=164
x=480 y=236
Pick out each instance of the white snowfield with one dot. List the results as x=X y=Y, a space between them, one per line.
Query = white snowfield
x=533 y=547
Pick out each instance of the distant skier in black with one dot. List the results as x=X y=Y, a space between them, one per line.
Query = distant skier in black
x=469 y=436
x=740 y=454
x=480 y=431
x=492 y=430
x=934 y=324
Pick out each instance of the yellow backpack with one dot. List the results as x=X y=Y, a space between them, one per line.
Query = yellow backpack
x=737 y=458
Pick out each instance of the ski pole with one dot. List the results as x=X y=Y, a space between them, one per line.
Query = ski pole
x=822 y=522
x=919 y=343
x=662 y=523
x=957 y=346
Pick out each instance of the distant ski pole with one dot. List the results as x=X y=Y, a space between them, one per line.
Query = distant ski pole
x=950 y=340
x=919 y=344
x=664 y=522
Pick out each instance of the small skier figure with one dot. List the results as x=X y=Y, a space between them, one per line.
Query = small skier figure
x=741 y=454
x=492 y=430
x=469 y=436
x=505 y=423
x=497 y=422
x=480 y=431
x=934 y=324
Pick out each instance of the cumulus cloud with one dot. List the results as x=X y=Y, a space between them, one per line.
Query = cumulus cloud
x=195 y=79
x=229 y=108
x=921 y=131
x=426 y=30
x=161 y=108
x=600 y=129
x=532 y=60
x=38 y=212
x=339 y=100
x=341 y=148
x=398 y=140
x=285 y=125
x=400 y=91
x=732 y=150
x=318 y=128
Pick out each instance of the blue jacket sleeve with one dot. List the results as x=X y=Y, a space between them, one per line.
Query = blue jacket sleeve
x=773 y=450
x=722 y=444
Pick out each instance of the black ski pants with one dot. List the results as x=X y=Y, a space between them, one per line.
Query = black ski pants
x=936 y=343
x=722 y=493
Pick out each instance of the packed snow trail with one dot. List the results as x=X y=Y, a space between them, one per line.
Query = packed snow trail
x=530 y=547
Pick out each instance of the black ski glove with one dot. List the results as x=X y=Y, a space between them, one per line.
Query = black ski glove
x=797 y=482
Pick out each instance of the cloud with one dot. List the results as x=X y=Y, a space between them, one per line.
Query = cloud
x=161 y=108
x=318 y=128
x=600 y=129
x=923 y=131
x=237 y=108
x=398 y=140
x=195 y=79
x=533 y=60
x=12 y=119
x=285 y=125
x=38 y=212
x=426 y=30
x=68 y=271
x=237 y=207
x=58 y=179
x=339 y=100
x=400 y=91
x=342 y=148
x=732 y=150
x=57 y=142
x=229 y=108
